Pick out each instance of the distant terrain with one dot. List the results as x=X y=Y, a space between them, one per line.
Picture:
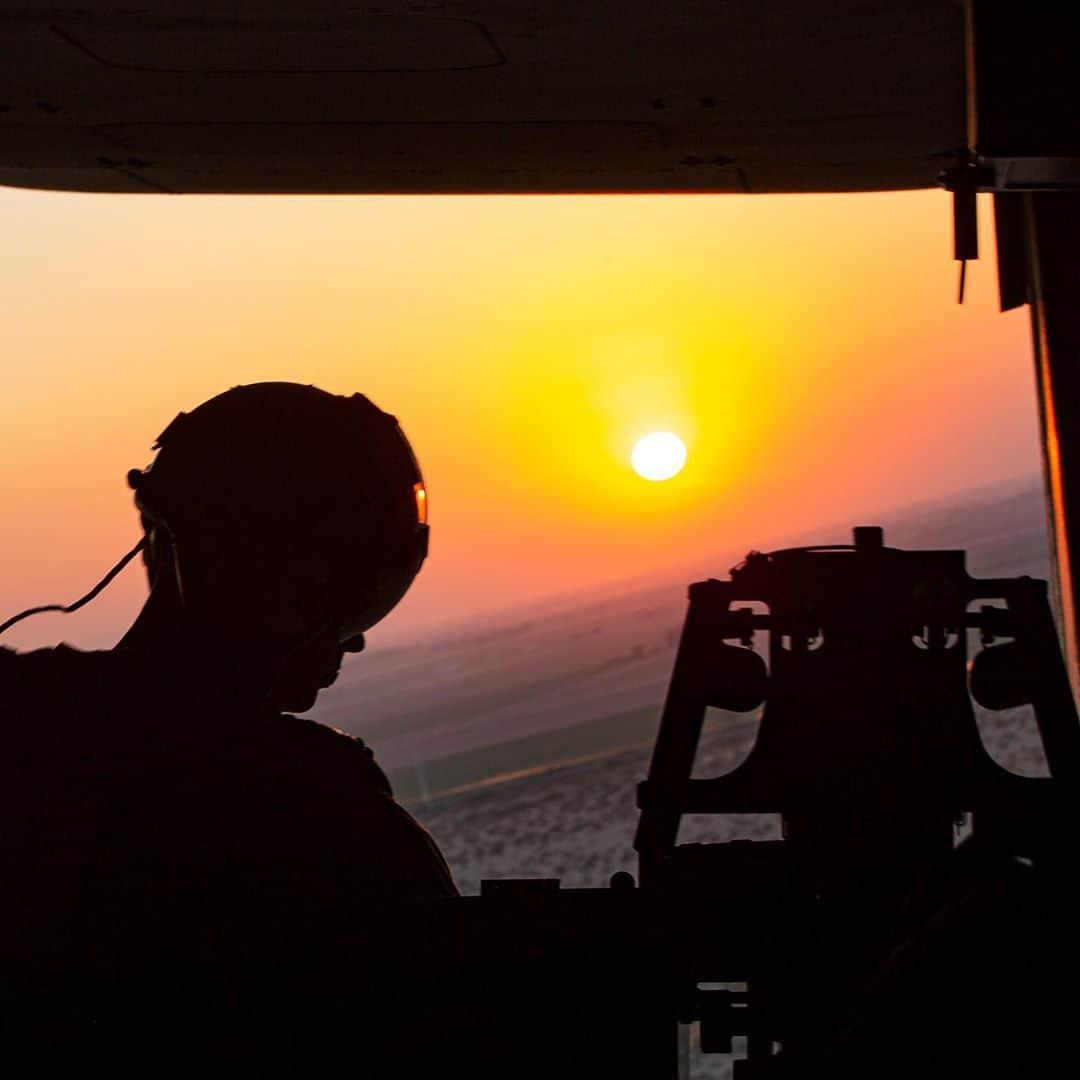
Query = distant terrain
x=584 y=679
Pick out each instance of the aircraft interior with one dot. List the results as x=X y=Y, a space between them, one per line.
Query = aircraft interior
x=769 y=943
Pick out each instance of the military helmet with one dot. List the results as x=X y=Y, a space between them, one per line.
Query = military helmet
x=312 y=479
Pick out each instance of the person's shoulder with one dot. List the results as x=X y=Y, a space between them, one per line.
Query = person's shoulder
x=410 y=862
x=9 y=665
x=322 y=736
x=52 y=654
x=45 y=665
x=59 y=680
x=328 y=747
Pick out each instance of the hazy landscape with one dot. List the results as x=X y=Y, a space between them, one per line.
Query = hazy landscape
x=518 y=740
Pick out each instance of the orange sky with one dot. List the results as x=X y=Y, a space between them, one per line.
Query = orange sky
x=808 y=349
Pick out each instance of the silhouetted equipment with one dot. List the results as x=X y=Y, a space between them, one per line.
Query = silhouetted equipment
x=868 y=750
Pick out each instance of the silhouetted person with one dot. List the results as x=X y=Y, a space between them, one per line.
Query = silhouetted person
x=156 y=800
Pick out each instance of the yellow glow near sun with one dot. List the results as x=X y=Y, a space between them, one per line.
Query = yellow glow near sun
x=658 y=456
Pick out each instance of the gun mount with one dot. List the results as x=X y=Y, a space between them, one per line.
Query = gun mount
x=869 y=751
x=867 y=748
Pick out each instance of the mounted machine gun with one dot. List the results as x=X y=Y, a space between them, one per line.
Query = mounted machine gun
x=868 y=750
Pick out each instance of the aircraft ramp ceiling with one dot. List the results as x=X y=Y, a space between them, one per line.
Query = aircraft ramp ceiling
x=479 y=96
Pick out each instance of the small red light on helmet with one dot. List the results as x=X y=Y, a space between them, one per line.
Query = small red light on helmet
x=421 y=502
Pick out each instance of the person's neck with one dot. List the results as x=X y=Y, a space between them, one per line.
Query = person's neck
x=165 y=635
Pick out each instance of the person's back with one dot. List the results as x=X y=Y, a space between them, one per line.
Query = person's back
x=126 y=783
x=158 y=805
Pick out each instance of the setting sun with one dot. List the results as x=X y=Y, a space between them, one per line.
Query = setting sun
x=658 y=456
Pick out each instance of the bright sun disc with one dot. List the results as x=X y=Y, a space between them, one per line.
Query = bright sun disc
x=658 y=456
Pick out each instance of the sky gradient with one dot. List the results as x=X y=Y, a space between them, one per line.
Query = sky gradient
x=808 y=349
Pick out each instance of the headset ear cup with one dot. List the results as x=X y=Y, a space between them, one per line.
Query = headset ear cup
x=177 y=575
x=160 y=553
